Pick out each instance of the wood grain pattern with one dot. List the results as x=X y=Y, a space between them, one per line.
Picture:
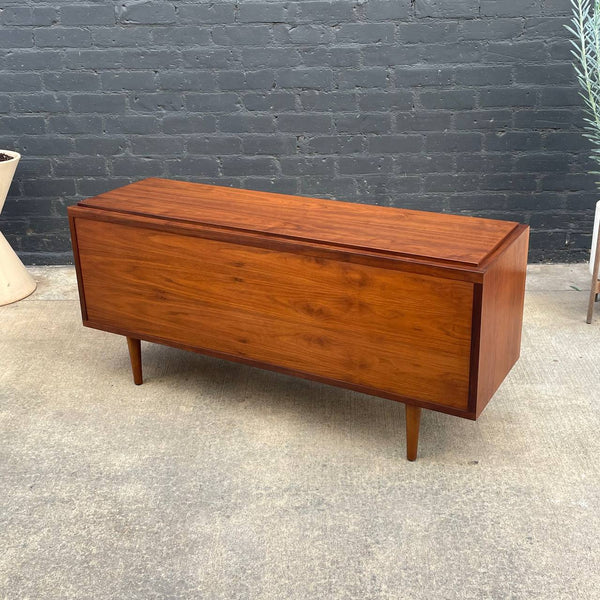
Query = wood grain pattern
x=401 y=333
x=446 y=238
x=501 y=318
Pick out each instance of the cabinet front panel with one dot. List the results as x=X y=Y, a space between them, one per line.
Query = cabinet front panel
x=397 y=332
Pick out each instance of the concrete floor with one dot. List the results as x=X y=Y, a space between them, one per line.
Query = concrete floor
x=219 y=481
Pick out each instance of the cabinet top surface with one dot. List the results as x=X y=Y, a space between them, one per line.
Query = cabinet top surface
x=408 y=233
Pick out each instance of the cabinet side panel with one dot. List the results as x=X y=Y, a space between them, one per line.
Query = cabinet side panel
x=392 y=331
x=501 y=318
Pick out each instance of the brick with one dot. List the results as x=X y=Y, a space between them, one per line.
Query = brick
x=480 y=76
x=337 y=144
x=246 y=123
x=270 y=57
x=241 y=35
x=103 y=146
x=365 y=164
x=91 y=14
x=215 y=145
x=334 y=12
x=51 y=187
x=450 y=99
x=483 y=119
x=457 y=52
x=365 y=33
x=305 y=123
x=328 y=101
x=387 y=55
x=197 y=166
x=275 y=145
x=445 y=9
x=566 y=141
x=428 y=32
x=313 y=78
x=560 y=96
x=261 y=12
x=269 y=101
x=210 y=58
x=164 y=101
x=80 y=166
x=122 y=36
x=491 y=29
x=22 y=125
x=63 y=37
x=395 y=144
x=24 y=15
x=185 y=123
x=181 y=36
x=279 y=184
x=304 y=35
x=20 y=82
x=511 y=52
x=32 y=60
x=134 y=11
x=508 y=181
x=363 y=123
x=342 y=56
x=45 y=145
x=415 y=164
x=387 y=10
x=128 y=80
x=545 y=74
x=43 y=103
x=512 y=141
x=98 y=103
x=140 y=124
x=75 y=124
x=365 y=78
x=204 y=14
x=423 y=77
x=227 y=102
x=80 y=81
x=246 y=80
x=502 y=8
x=16 y=38
x=135 y=166
x=375 y=101
x=248 y=165
x=452 y=142
x=302 y=165
x=454 y=182
x=157 y=145
x=507 y=97
x=423 y=121
x=484 y=163
x=205 y=81
x=540 y=162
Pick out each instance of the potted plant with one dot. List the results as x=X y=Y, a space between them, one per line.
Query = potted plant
x=15 y=282
x=585 y=28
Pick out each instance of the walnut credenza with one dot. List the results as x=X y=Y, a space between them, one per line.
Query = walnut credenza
x=417 y=307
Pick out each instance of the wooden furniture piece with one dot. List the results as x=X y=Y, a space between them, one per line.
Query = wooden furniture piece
x=417 y=307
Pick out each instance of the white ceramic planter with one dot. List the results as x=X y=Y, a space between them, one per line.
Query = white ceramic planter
x=595 y=237
x=15 y=282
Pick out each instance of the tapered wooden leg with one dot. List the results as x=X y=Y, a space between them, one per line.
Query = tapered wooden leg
x=594 y=287
x=135 y=355
x=413 y=420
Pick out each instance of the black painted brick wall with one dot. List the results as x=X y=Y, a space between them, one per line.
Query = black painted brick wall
x=463 y=106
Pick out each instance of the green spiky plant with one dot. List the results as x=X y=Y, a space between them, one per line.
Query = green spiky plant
x=585 y=28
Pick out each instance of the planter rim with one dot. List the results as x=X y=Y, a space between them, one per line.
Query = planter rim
x=14 y=155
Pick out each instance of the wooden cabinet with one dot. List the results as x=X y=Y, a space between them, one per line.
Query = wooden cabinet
x=417 y=307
